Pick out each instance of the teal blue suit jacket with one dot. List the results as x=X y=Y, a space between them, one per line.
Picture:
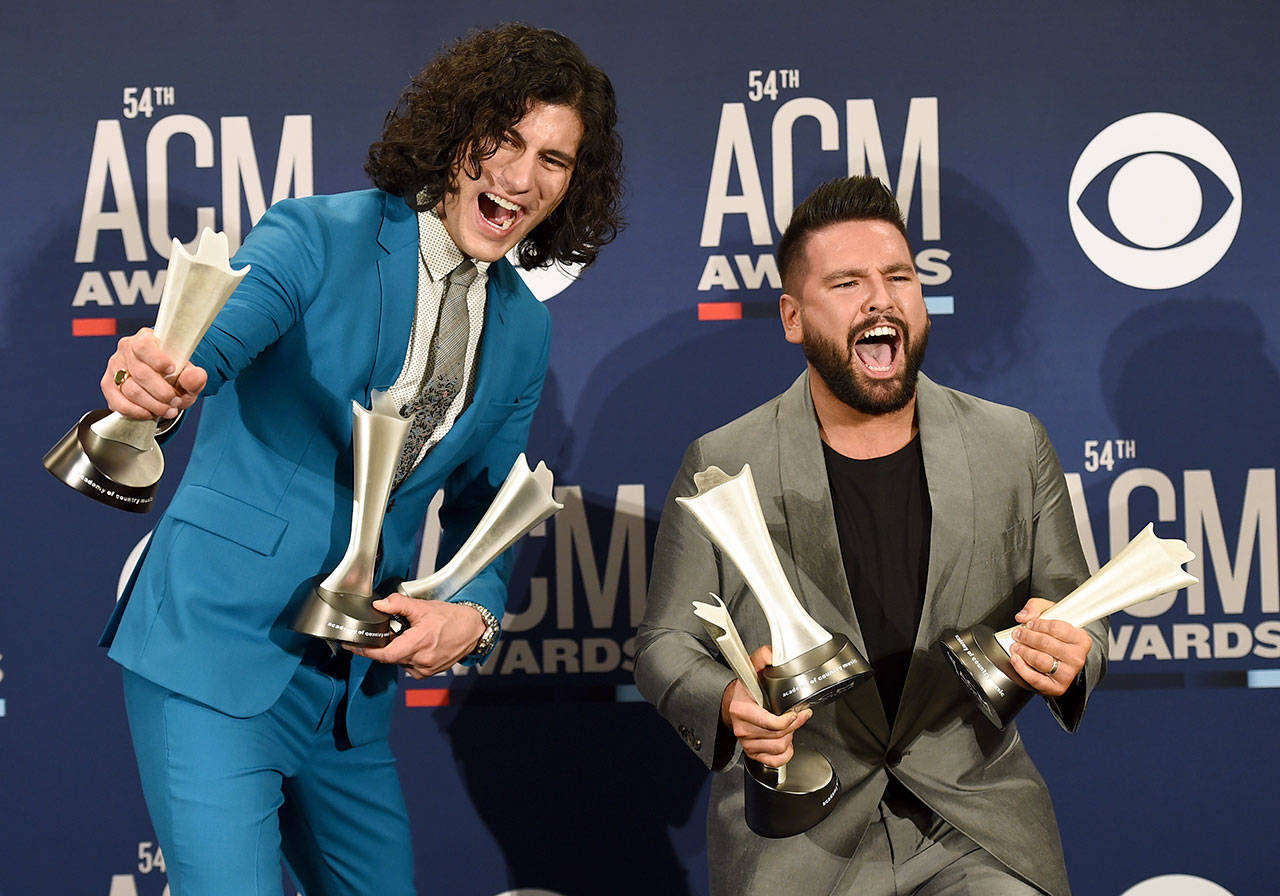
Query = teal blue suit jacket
x=322 y=319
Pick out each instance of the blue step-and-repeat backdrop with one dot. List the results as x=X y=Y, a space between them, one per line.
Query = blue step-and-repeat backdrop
x=1092 y=198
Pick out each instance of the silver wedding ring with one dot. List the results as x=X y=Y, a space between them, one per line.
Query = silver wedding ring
x=1053 y=668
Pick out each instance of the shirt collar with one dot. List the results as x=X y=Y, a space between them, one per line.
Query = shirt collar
x=438 y=251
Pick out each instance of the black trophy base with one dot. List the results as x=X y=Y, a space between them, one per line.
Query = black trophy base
x=347 y=618
x=805 y=796
x=815 y=676
x=984 y=667
x=114 y=473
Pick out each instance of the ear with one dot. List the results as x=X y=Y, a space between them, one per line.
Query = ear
x=789 y=311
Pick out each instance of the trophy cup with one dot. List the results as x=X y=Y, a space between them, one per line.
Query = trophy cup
x=112 y=458
x=810 y=665
x=1144 y=568
x=340 y=608
x=523 y=501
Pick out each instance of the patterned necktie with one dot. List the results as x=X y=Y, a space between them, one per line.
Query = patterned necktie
x=443 y=370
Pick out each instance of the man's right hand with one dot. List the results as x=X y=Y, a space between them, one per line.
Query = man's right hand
x=765 y=737
x=151 y=390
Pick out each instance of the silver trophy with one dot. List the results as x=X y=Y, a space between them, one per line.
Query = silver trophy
x=340 y=608
x=112 y=458
x=1146 y=567
x=524 y=500
x=810 y=665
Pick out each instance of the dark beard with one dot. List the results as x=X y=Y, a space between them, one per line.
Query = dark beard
x=851 y=386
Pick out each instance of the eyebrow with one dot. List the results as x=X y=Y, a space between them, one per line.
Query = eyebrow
x=564 y=157
x=567 y=158
x=847 y=273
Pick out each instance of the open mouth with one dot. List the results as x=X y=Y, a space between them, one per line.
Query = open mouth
x=499 y=212
x=878 y=348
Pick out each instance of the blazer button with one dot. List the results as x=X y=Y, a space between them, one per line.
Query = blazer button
x=892 y=758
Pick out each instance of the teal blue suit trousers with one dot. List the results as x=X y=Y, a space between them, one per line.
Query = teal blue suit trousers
x=228 y=796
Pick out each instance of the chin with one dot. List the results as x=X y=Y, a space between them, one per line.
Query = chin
x=487 y=250
x=487 y=255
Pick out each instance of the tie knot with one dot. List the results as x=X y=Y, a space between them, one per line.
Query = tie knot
x=462 y=275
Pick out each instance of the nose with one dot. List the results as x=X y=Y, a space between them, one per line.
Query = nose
x=878 y=297
x=515 y=172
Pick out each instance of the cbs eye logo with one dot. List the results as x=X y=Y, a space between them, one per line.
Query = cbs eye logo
x=1176 y=885
x=1172 y=195
x=546 y=283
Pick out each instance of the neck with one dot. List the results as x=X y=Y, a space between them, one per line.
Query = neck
x=855 y=434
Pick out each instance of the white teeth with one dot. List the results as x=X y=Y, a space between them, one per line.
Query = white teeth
x=503 y=203
x=880 y=331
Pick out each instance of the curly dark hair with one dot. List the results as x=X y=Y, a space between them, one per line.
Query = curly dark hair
x=455 y=113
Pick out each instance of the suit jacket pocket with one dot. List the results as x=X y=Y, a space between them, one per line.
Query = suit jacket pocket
x=1011 y=546
x=1004 y=570
x=1015 y=538
x=496 y=413
x=492 y=418
x=229 y=517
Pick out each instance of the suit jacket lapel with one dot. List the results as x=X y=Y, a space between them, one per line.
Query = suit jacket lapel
x=811 y=535
x=398 y=287
x=951 y=538
x=493 y=364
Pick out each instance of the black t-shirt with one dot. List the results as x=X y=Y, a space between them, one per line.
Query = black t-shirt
x=883 y=515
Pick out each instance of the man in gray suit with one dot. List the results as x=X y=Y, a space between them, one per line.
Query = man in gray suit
x=899 y=509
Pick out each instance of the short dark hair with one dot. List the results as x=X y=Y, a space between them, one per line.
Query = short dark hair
x=456 y=112
x=862 y=198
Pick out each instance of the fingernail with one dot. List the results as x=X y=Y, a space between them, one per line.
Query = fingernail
x=171 y=413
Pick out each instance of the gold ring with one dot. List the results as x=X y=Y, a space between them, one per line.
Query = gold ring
x=121 y=376
x=1053 y=668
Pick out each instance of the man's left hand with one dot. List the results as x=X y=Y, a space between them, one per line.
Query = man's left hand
x=1048 y=653
x=439 y=634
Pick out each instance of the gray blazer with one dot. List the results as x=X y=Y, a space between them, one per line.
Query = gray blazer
x=1003 y=531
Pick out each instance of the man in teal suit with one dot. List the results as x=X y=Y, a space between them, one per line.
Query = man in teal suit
x=251 y=740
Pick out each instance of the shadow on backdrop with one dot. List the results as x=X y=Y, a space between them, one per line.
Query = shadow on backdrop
x=1184 y=378
x=990 y=282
